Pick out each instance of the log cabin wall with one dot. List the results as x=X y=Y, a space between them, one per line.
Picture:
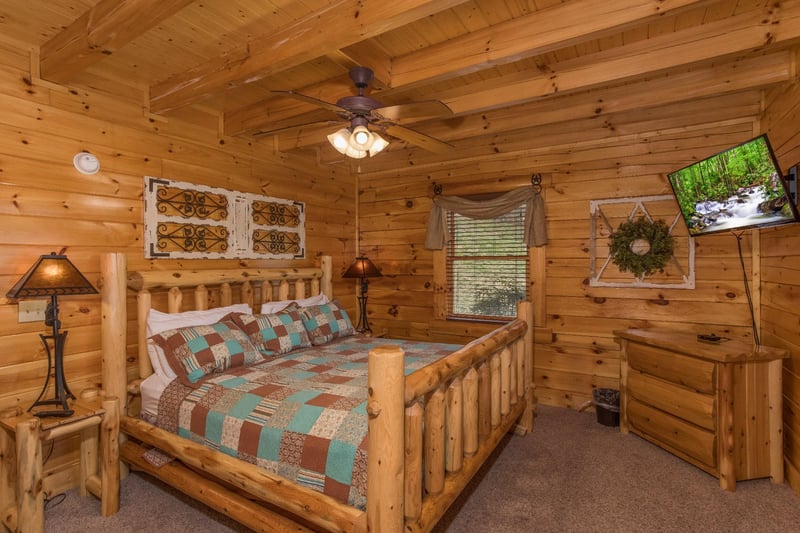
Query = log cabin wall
x=622 y=155
x=47 y=206
x=587 y=146
x=780 y=275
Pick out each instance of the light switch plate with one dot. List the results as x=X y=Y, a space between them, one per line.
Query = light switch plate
x=32 y=310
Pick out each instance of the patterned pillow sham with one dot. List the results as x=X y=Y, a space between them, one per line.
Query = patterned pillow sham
x=326 y=322
x=274 y=333
x=197 y=352
x=158 y=321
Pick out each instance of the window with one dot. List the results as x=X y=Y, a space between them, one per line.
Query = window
x=487 y=266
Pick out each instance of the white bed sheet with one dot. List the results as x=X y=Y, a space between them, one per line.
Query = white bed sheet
x=151 y=389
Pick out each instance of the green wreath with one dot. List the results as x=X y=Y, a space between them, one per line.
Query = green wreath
x=641 y=246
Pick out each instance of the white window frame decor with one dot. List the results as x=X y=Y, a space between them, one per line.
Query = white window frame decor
x=188 y=221
x=681 y=262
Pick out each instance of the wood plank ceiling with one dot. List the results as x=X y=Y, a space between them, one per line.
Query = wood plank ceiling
x=502 y=66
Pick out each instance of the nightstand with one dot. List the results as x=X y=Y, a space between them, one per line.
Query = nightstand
x=21 y=437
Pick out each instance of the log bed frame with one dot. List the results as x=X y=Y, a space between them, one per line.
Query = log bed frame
x=429 y=432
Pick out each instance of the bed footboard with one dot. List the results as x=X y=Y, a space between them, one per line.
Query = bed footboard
x=452 y=415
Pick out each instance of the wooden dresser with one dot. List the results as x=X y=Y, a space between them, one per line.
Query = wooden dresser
x=717 y=406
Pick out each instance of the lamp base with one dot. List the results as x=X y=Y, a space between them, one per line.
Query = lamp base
x=62 y=392
x=363 y=322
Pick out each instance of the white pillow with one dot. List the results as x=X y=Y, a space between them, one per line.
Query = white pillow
x=158 y=321
x=273 y=307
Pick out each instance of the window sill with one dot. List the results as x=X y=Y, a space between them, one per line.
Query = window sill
x=455 y=318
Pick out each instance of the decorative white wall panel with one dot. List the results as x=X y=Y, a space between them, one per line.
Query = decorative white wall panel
x=184 y=220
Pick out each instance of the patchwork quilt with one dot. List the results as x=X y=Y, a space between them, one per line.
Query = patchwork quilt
x=301 y=415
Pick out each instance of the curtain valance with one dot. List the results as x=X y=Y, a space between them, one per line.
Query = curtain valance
x=535 y=228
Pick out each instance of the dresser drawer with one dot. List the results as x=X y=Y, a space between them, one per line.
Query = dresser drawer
x=697 y=443
x=687 y=404
x=690 y=372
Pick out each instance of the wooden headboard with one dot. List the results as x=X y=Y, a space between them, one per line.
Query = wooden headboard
x=208 y=288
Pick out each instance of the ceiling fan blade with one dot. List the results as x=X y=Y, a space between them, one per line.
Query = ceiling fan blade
x=420 y=139
x=423 y=108
x=314 y=101
x=277 y=127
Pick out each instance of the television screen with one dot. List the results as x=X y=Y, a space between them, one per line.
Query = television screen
x=739 y=188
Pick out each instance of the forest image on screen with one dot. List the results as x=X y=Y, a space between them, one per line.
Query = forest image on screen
x=735 y=189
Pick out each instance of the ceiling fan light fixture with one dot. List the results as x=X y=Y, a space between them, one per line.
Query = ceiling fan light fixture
x=340 y=140
x=358 y=143
x=361 y=111
x=378 y=144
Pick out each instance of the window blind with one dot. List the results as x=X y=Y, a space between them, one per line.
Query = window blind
x=487 y=266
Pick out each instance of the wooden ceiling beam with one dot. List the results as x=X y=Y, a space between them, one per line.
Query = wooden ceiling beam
x=540 y=32
x=755 y=30
x=99 y=32
x=341 y=24
x=733 y=76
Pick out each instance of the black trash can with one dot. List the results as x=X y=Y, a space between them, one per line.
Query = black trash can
x=606 y=404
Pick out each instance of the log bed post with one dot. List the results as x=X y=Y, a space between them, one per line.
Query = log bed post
x=109 y=457
x=114 y=341
x=525 y=313
x=113 y=302
x=326 y=283
x=385 y=466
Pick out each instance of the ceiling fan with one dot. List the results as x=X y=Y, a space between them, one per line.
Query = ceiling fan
x=363 y=111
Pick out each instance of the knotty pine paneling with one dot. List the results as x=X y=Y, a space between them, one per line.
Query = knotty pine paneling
x=780 y=278
x=626 y=155
x=46 y=205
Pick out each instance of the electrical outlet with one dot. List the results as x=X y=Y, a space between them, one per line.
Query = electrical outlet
x=32 y=310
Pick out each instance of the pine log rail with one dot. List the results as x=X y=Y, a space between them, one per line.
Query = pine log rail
x=324 y=512
x=429 y=432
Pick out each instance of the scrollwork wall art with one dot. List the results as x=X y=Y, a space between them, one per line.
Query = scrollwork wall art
x=640 y=242
x=184 y=220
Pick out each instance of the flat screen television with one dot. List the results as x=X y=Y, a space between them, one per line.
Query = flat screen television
x=739 y=188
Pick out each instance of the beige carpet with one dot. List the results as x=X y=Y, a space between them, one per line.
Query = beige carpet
x=571 y=474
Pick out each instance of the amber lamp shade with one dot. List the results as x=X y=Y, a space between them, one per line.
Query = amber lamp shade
x=362 y=268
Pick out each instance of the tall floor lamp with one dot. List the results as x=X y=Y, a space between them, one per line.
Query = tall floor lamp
x=53 y=275
x=363 y=268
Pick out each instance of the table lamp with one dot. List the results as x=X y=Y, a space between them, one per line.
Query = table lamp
x=363 y=268
x=53 y=275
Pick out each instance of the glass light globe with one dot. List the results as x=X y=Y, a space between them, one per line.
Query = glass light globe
x=378 y=145
x=361 y=138
x=339 y=140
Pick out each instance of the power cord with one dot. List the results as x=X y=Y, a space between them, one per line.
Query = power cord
x=747 y=287
x=54 y=501
x=57 y=499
